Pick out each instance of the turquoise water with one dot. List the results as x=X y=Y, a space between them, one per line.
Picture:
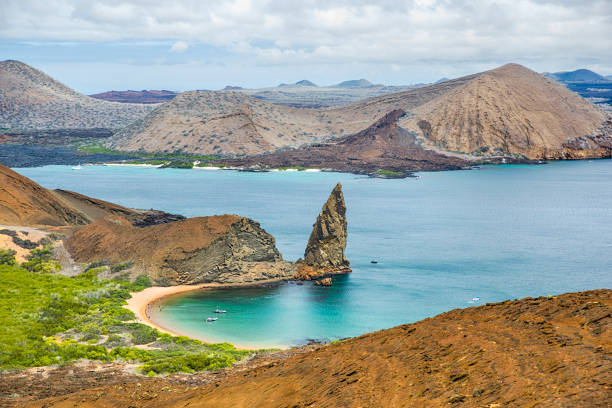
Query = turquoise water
x=499 y=232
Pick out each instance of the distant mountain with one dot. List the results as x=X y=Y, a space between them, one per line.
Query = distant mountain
x=144 y=96
x=579 y=75
x=305 y=82
x=509 y=110
x=354 y=83
x=29 y=99
x=442 y=80
x=232 y=88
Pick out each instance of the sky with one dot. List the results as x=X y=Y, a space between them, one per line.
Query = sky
x=94 y=45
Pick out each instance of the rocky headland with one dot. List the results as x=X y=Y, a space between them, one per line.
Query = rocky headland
x=168 y=248
x=226 y=249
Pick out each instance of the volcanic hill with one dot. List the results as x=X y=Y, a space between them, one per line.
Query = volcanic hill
x=30 y=99
x=508 y=111
x=383 y=150
x=25 y=203
x=546 y=351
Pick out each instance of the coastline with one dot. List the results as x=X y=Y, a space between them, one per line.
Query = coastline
x=141 y=302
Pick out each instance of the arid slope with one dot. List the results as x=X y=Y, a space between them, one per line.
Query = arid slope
x=30 y=99
x=550 y=352
x=229 y=122
x=24 y=202
x=509 y=111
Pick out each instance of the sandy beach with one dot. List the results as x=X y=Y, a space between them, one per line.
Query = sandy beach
x=142 y=301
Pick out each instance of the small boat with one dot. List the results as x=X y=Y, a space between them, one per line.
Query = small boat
x=77 y=167
x=217 y=310
x=475 y=299
x=211 y=319
x=374 y=261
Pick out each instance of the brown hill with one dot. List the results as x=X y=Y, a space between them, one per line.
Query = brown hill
x=509 y=111
x=24 y=202
x=152 y=96
x=546 y=351
x=383 y=149
x=29 y=99
x=220 y=248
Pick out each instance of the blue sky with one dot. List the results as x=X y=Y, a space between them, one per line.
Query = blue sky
x=94 y=45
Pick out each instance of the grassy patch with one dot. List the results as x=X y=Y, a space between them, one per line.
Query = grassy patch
x=96 y=147
x=389 y=173
x=54 y=319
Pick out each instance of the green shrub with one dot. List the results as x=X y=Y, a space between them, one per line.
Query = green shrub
x=34 y=307
x=121 y=266
x=7 y=257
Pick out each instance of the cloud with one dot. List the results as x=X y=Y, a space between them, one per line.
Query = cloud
x=179 y=47
x=401 y=32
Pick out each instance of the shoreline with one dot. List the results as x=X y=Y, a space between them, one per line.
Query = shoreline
x=140 y=303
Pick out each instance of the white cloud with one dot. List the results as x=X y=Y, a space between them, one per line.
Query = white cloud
x=179 y=47
x=400 y=32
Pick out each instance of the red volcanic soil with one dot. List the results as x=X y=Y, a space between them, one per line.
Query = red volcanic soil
x=544 y=352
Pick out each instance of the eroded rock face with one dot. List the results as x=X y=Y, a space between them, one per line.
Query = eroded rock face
x=225 y=249
x=325 y=250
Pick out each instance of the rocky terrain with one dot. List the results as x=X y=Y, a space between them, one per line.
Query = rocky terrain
x=224 y=248
x=382 y=150
x=546 y=351
x=29 y=99
x=510 y=111
x=144 y=96
x=324 y=254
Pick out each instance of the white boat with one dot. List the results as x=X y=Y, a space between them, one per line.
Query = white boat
x=211 y=319
x=77 y=167
x=217 y=310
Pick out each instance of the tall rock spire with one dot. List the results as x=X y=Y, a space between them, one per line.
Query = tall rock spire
x=325 y=250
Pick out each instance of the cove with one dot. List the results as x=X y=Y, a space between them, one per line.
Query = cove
x=498 y=232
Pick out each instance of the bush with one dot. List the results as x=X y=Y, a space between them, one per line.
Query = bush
x=7 y=257
x=121 y=266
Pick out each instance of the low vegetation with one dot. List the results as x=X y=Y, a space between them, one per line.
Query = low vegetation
x=390 y=174
x=48 y=318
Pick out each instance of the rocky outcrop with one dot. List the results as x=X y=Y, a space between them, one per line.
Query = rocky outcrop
x=324 y=253
x=324 y=282
x=225 y=249
x=598 y=145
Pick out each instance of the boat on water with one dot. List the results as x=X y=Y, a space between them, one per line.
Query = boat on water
x=374 y=261
x=211 y=319
x=77 y=167
x=217 y=310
